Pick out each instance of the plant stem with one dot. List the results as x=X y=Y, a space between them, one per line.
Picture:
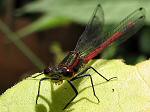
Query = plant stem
x=20 y=45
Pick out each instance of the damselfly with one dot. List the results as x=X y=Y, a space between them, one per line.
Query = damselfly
x=92 y=42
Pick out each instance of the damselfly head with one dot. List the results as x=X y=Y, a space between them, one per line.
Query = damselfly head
x=58 y=74
x=66 y=72
x=48 y=70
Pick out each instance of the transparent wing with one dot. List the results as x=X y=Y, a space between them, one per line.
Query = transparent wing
x=93 y=30
x=126 y=28
x=129 y=26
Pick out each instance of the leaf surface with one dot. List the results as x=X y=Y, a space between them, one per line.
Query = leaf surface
x=130 y=92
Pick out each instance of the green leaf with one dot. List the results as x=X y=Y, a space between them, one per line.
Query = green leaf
x=43 y=23
x=86 y=7
x=79 y=11
x=128 y=93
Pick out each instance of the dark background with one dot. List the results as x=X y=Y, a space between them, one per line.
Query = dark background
x=38 y=33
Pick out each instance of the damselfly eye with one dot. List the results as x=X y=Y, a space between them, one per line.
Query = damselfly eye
x=66 y=72
x=47 y=70
x=64 y=69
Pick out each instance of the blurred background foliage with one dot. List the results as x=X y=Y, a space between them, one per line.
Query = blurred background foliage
x=38 y=33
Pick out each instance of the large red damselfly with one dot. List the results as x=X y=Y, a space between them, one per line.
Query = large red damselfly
x=92 y=42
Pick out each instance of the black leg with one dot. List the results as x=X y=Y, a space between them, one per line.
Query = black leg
x=76 y=93
x=37 y=75
x=38 y=94
x=81 y=73
x=87 y=75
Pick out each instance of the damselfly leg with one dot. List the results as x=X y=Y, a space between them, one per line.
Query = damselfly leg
x=82 y=75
